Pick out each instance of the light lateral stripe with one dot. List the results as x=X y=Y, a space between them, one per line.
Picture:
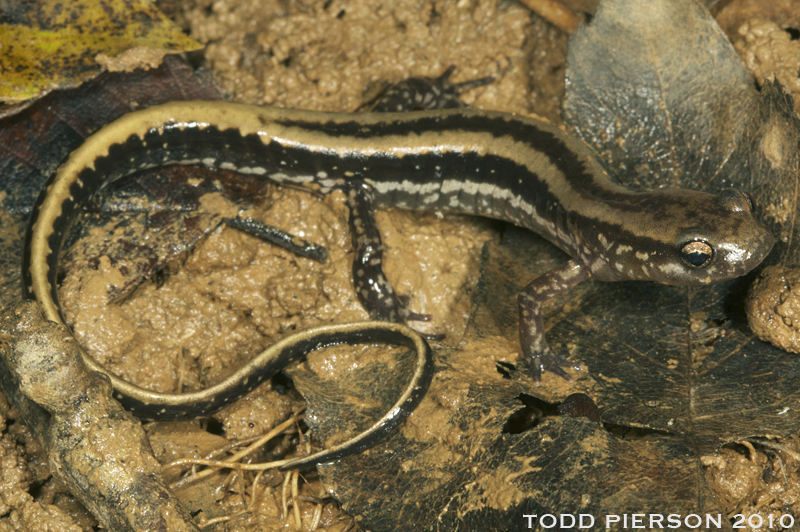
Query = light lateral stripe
x=264 y=123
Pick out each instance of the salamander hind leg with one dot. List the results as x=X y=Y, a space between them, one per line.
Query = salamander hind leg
x=531 y=325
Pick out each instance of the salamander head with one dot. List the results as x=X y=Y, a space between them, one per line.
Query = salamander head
x=685 y=237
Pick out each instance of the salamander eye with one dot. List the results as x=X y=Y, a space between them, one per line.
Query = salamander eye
x=696 y=254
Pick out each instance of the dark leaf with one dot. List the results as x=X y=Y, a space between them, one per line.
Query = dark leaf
x=657 y=89
x=466 y=471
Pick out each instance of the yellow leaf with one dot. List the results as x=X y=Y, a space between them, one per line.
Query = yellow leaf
x=51 y=44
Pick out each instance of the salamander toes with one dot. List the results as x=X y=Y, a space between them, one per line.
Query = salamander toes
x=549 y=361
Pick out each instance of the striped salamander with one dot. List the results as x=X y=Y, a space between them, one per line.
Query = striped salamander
x=511 y=168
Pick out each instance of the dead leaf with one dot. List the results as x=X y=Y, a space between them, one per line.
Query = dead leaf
x=49 y=44
x=659 y=92
x=680 y=363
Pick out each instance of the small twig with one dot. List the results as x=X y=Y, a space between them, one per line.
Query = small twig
x=555 y=13
x=776 y=446
x=233 y=445
x=231 y=461
x=182 y=360
x=296 y=499
x=215 y=521
x=318 y=512
x=750 y=448
x=225 y=464
x=244 y=491
x=284 y=498
x=229 y=479
x=254 y=496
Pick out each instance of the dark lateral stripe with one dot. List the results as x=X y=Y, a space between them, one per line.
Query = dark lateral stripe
x=428 y=170
x=566 y=155
x=418 y=176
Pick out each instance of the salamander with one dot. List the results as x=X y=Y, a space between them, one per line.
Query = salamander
x=512 y=168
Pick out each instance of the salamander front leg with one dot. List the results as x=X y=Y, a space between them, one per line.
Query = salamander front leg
x=374 y=290
x=531 y=325
x=282 y=239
